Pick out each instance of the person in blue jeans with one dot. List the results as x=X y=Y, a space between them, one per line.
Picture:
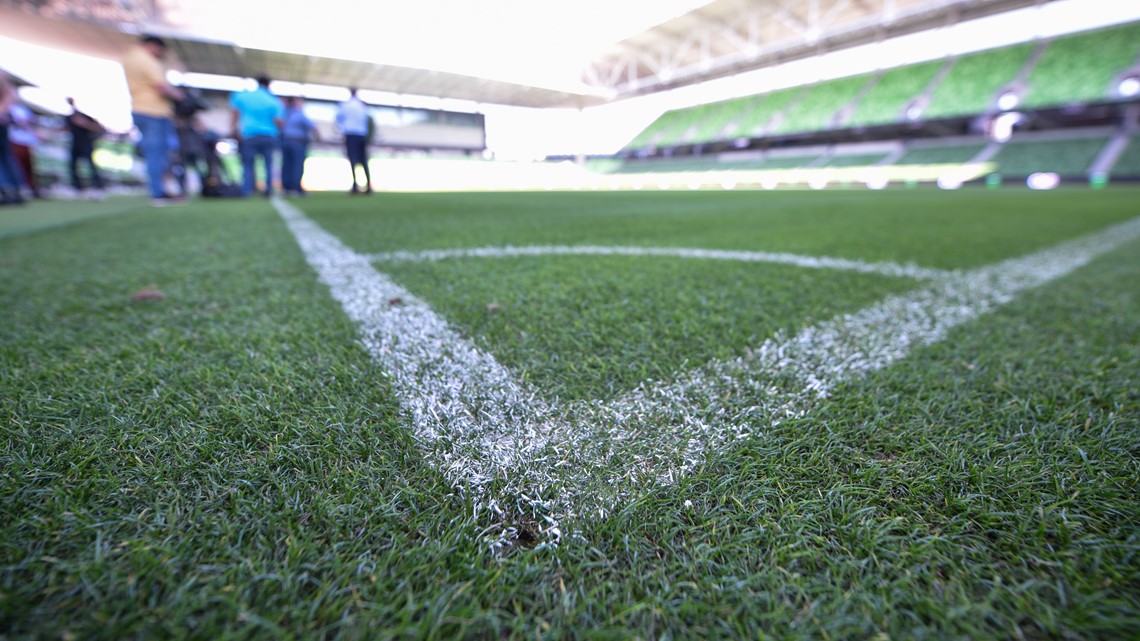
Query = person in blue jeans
x=9 y=176
x=296 y=132
x=257 y=120
x=152 y=110
x=9 y=180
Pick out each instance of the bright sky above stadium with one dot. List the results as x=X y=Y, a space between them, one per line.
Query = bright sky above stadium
x=544 y=44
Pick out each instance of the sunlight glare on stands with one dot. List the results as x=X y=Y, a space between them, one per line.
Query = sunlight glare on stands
x=877 y=182
x=1008 y=100
x=1002 y=128
x=1043 y=181
x=949 y=182
x=1129 y=87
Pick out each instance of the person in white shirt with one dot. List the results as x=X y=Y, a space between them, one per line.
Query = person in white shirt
x=353 y=120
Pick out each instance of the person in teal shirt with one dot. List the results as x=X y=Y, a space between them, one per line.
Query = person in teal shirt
x=257 y=121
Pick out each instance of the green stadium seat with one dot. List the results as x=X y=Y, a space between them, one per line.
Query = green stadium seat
x=708 y=163
x=1071 y=157
x=819 y=105
x=970 y=85
x=941 y=154
x=855 y=160
x=716 y=123
x=885 y=102
x=1083 y=67
x=759 y=111
x=1128 y=164
x=788 y=162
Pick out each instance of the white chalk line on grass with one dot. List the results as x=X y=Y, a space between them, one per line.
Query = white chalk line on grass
x=506 y=446
x=797 y=260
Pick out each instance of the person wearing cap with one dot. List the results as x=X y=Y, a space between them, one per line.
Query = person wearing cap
x=153 y=112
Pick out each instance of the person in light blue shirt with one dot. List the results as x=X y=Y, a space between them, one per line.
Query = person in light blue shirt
x=257 y=120
x=296 y=133
x=353 y=119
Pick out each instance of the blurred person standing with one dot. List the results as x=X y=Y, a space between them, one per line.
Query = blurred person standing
x=84 y=131
x=23 y=140
x=153 y=112
x=353 y=120
x=296 y=133
x=191 y=149
x=9 y=176
x=257 y=121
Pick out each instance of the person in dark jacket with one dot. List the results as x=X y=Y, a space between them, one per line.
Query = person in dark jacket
x=84 y=131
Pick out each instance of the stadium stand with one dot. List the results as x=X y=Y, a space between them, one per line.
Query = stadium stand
x=762 y=109
x=1083 y=67
x=974 y=80
x=887 y=99
x=789 y=162
x=856 y=160
x=819 y=105
x=1128 y=164
x=941 y=154
x=711 y=163
x=1069 y=157
x=746 y=116
x=716 y=122
x=665 y=130
x=661 y=165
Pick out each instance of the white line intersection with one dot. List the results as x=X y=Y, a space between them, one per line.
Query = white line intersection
x=507 y=447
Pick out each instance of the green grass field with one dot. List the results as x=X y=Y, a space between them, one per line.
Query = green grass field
x=238 y=460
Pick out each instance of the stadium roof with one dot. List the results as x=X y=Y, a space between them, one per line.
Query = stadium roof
x=549 y=54
x=725 y=37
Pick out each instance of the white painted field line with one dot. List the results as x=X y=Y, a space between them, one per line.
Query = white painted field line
x=501 y=443
x=784 y=377
x=797 y=260
x=452 y=392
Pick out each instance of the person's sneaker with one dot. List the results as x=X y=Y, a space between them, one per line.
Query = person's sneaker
x=168 y=201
